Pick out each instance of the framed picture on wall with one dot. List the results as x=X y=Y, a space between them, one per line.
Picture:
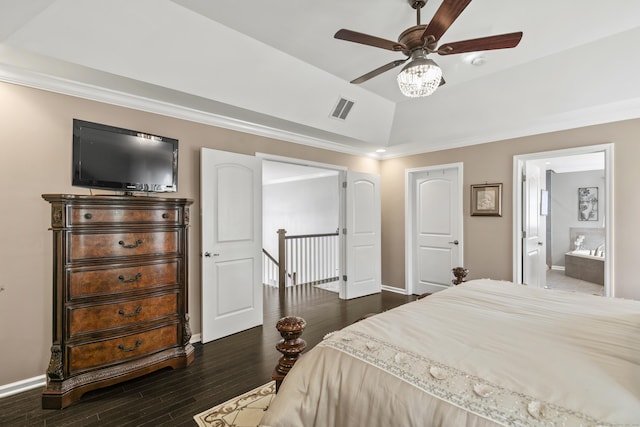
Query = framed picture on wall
x=588 y=204
x=486 y=200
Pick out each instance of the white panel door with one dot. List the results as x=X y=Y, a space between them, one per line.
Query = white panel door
x=363 y=242
x=231 y=197
x=437 y=229
x=534 y=254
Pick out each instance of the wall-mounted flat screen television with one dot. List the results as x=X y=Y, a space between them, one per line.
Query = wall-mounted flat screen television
x=113 y=158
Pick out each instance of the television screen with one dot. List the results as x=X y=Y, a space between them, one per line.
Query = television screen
x=123 y=160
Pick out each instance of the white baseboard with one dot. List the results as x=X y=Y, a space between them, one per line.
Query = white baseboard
x=557 y=267
x=195 y=338
x=22 y=385
x=394 y=289
x=41 y=380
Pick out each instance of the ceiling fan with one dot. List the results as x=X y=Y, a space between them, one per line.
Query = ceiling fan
x=422 y=76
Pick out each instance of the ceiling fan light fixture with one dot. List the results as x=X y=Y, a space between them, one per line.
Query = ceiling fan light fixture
x=420 y=77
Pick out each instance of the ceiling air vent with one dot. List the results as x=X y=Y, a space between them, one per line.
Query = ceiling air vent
x=342 y=109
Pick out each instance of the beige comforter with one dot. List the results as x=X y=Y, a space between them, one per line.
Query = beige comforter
x=484 y=353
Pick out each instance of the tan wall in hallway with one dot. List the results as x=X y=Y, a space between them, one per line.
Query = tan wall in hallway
x=36 y=136
x=488 y=240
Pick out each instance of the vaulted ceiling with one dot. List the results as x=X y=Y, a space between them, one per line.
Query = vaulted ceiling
x=273 y=67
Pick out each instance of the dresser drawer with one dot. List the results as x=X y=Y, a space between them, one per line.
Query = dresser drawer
x=117 y=279
x=101 y=353
x=94 y=245
x=99 y=215
x=108 y=316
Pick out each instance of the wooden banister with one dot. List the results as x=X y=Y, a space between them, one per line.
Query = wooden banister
x=282 y=273
x=307 y=258
x=306 y=236
x=268 y=255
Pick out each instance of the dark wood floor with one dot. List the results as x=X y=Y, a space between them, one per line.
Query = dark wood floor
x=222 y=369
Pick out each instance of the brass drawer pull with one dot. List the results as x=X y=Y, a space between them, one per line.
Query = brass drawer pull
x=132 y=246
x=135 y=313
x=134 y=279
x=165 y=215
x=88 y=216
x=128 y=349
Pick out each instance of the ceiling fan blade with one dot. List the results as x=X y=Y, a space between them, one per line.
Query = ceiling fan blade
x=353 y=36
x=503 y=41
x=448 y=12
x=380 y=70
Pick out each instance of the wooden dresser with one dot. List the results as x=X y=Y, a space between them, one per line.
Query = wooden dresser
x=119 y=291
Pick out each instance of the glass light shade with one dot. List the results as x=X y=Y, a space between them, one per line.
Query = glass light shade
x=420 y=77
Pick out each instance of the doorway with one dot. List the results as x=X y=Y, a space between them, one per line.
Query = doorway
x=433 y=224
x=359 y=224
x=301 y=213
x=549 y=221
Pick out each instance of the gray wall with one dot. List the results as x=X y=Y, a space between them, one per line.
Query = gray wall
x=564 y=209
x=308 y=206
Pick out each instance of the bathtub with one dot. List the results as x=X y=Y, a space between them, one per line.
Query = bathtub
x=582 y=264
x=585 y=253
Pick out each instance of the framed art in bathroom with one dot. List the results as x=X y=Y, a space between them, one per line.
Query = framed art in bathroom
x=588 y=204
x=486 y=200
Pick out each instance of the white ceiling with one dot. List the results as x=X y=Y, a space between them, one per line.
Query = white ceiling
x=272 y=67
x=274 y=172
x=575 y=163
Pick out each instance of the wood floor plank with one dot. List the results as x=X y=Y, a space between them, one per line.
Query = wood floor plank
x=221 y=370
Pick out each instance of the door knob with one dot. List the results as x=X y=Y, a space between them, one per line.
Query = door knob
x=540 y=243
x=455 y=242
x=209 y=254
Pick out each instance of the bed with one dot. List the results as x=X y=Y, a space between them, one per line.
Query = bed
x=483 y=353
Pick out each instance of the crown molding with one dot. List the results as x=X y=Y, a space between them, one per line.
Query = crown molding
x=37 y=80
x=590 y=116
x=600 y=114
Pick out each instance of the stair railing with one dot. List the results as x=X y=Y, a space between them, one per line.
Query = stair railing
x=269 y=269
x=308 y=259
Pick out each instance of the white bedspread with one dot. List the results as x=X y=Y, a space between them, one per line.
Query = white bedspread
x=484 y=353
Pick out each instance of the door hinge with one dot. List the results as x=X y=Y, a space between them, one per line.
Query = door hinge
x=344 y=231
x=344 y=184
x=524 y=234
x=344 y=278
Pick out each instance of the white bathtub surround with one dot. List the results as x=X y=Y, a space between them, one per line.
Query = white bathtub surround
x=589 y=253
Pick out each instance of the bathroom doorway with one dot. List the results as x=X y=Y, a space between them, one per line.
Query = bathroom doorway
x=562 y=228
